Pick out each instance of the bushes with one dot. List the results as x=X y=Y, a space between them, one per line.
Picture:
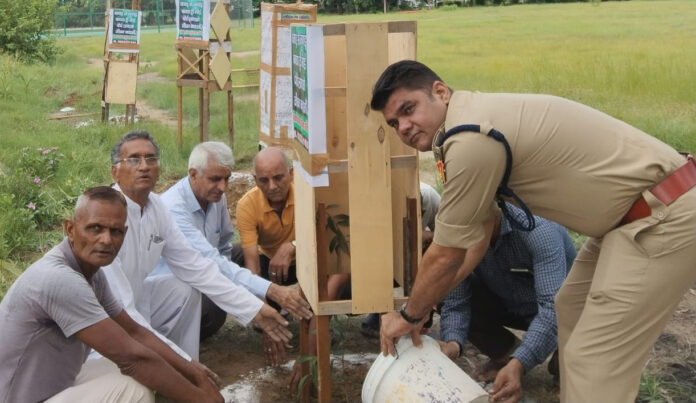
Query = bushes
x=24 y=29
x=29 y=202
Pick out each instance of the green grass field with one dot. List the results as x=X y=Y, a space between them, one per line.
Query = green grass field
x=632 y=60
x=635 y=60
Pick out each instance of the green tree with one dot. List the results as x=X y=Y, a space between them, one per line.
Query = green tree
x=24 y=29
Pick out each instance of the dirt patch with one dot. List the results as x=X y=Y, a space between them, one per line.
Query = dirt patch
x=239 y=184
x=96 y=63
x=235 y=354
x=153 y=77
x=147 y=112
x=71 y=99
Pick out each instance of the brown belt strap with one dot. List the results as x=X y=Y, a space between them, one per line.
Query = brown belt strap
x=667 y=191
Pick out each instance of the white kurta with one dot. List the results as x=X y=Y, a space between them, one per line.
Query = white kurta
x=152 y=233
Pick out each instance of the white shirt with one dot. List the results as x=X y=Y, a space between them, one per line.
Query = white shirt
x=209 y=232
x=152 y=232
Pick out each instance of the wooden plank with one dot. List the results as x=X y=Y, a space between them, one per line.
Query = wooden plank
x=306 y=253
x=345 y=306
x=369 y=172
x=120 y=83
x=402 y=26
x=324 y=358
x=336 y=195
x=304 y=350
x=402 y=45
x=322 y=252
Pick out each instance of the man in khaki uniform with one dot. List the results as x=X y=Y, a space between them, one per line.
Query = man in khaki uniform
x=632 y=194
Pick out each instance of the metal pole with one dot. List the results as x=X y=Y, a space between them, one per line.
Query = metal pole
x=158 y=6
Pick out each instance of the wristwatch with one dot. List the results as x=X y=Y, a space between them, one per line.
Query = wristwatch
x=407 y=318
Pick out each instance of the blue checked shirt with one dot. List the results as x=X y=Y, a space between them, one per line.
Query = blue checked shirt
x=548 y=253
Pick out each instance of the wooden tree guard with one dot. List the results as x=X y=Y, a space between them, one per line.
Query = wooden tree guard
x=206 y=65
x=373 y=178
x=120 y=75
x=275 y=88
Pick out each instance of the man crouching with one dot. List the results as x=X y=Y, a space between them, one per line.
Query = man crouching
x=61 y=306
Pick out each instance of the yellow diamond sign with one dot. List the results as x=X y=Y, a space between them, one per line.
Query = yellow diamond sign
x=220 y=21
x=221 y=67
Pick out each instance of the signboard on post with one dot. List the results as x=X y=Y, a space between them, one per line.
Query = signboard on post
x=308 y=98
x=124 y=30
x=193 y=20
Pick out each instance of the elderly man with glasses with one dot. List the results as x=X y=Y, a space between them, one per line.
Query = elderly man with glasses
x=170 y=303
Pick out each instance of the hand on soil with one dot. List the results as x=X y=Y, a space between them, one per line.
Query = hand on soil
x=507 y=387
x=273 y=324
x=207 y=373
x=274 y=351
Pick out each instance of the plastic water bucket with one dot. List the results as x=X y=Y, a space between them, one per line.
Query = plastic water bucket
x=419 y=375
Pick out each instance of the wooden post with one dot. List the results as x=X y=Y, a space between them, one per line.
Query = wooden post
x=120 y=75
x=304 y=351
x=323 y=338
x=230 y=117
x=365 y=169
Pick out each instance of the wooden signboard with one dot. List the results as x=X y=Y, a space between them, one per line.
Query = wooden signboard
x=124 y=30
x=275 y=86
x=193 y=20
x=120 y=72
x=203 y=59
x=371 y=177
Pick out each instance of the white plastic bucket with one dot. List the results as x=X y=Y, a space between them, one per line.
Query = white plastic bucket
x=419 y=375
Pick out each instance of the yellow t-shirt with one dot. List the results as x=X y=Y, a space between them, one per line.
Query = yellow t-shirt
x=260 y=225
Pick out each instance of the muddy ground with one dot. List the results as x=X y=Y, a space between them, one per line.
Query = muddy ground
x=235 y=354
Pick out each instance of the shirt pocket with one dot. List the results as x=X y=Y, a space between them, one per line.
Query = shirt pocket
x=154 y=251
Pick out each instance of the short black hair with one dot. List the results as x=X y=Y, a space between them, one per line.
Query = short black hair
x=102 y=193
x=408 y=74
x=130 y=136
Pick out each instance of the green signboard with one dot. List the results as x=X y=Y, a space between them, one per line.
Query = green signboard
x=193 y=20
x=300 y=102
x=124 y=26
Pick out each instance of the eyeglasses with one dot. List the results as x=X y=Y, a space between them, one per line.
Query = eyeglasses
x=135 y=161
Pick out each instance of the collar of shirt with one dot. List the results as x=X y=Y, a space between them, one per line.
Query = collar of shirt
x=134 y=209
x=189 y=197
x=289 y=201
x=66 y=250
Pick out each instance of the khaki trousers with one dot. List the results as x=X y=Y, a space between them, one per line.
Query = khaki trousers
x=100 y=381
x=617 y=298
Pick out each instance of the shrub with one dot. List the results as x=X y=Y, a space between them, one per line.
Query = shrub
x=24 y=30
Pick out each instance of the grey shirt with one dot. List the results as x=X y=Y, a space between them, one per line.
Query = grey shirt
x=40 y=314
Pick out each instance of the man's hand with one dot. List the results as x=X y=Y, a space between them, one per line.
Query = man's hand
x=450 y=348
x=273 y=324
x=279 y=264
x=202 y=372
x=507 y=386
x=291 y=300
x=394 y=326
x=274 y=351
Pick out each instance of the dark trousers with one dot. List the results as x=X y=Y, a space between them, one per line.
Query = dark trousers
x=489 y=319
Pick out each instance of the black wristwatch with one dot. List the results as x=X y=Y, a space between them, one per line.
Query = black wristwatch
x=407 y=318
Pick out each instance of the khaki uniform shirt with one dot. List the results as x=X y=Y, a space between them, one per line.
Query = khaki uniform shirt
x=571 y=164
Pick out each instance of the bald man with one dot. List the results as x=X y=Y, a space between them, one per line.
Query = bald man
x=266 y=219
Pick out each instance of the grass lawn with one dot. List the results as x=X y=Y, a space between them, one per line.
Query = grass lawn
x=632 y=59
x=629 y=59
